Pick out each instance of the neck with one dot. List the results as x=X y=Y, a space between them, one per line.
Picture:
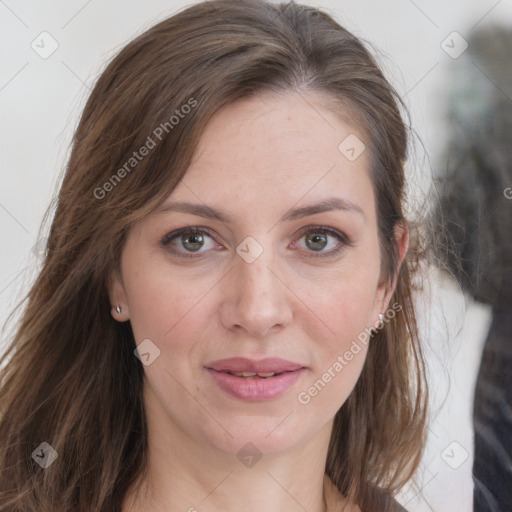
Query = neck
x=229 y=493
x=184 y=475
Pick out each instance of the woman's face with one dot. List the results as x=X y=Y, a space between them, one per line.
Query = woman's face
x=267 y=249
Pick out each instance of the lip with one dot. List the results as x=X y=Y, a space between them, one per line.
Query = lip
x=254 y=389
x=242 y=364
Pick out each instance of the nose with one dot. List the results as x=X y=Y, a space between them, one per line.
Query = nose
x=256 y=299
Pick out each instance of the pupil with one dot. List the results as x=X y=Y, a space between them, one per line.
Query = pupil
x=318 y=241
x=192 y=242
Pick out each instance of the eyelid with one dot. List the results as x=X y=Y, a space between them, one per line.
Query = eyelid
x=169 y=237
x=186 y=229
x=343 y=239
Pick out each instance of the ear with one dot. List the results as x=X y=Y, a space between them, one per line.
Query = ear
x=386 y=289
x=117 y=296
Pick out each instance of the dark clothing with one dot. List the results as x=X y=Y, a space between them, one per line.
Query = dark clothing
x=492 y=467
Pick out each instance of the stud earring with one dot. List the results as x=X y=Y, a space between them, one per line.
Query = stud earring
x=118 y=309
x=381 y=319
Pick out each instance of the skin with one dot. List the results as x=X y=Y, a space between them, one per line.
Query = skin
x=258 y=159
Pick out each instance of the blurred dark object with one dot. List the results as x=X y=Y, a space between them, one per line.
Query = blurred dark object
x=476 y=211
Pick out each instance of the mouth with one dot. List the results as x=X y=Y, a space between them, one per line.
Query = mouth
x=253 y=375
x=251 y=380
x=244 y=367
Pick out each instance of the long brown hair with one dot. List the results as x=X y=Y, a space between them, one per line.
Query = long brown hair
x=71 y=378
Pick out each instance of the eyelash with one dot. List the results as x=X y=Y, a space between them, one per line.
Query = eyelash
x=341 y=237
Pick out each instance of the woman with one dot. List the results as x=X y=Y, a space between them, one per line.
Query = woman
x=224 y=315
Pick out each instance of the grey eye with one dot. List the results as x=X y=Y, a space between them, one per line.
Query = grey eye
x=323 y=241
x=192 y=241
x=188 y=241
x=316 y=241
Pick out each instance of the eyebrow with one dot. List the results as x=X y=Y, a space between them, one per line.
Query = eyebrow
x=202 y=210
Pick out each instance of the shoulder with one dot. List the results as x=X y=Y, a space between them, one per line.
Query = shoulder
x=396 y=507
x=335 y=501
x=385 y=502
x=393 y=506
x=378 y=501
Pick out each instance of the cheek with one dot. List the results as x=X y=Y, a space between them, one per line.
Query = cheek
x=347 y=317
x=170 y=311
x=342 y=310
x=339 y=356
x=344 y=302
x=163 y=304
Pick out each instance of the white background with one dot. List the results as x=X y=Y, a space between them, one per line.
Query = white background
x=41 y=100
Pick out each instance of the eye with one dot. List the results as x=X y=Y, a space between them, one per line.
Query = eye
x=323 y=241
x=187 y=241
x=192 y=241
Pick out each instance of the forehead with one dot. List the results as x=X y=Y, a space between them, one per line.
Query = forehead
x=277 y=148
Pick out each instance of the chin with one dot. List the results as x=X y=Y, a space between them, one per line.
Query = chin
x=259 y=434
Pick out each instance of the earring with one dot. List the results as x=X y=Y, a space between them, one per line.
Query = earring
x=381 y=319
x=118 y=309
